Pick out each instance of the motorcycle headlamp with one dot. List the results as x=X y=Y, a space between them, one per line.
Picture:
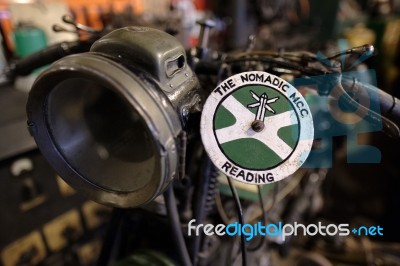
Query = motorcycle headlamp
x=109 y=120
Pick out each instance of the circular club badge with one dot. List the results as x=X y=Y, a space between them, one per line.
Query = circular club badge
x=257 y=128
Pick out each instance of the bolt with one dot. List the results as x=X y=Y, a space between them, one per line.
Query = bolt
x=258 y=125
x=205 y=26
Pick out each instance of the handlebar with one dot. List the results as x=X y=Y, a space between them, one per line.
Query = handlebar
x=389 y=107
x=389 y=114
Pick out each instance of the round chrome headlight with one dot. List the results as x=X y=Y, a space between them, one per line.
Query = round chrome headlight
x=109 y=126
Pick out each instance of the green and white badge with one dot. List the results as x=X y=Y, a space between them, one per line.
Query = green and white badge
x=257 y=128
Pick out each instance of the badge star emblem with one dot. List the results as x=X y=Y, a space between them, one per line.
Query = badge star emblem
x=262 y=102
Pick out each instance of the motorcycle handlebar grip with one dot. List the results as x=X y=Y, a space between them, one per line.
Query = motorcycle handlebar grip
x=388 y=104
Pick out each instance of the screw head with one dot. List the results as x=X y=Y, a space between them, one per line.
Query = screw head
x=257 y=125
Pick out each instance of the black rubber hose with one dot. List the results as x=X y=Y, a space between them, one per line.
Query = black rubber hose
x=264 y=220
x=204 y=197
x=176 y=228
x=47 y=56
x=388 y=104
x=371 y=116
x=241 y=221
x=110 y=241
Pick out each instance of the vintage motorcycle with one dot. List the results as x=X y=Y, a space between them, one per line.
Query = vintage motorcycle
x=117 y=115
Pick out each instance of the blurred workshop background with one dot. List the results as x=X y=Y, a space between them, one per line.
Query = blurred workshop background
x=43 y=221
